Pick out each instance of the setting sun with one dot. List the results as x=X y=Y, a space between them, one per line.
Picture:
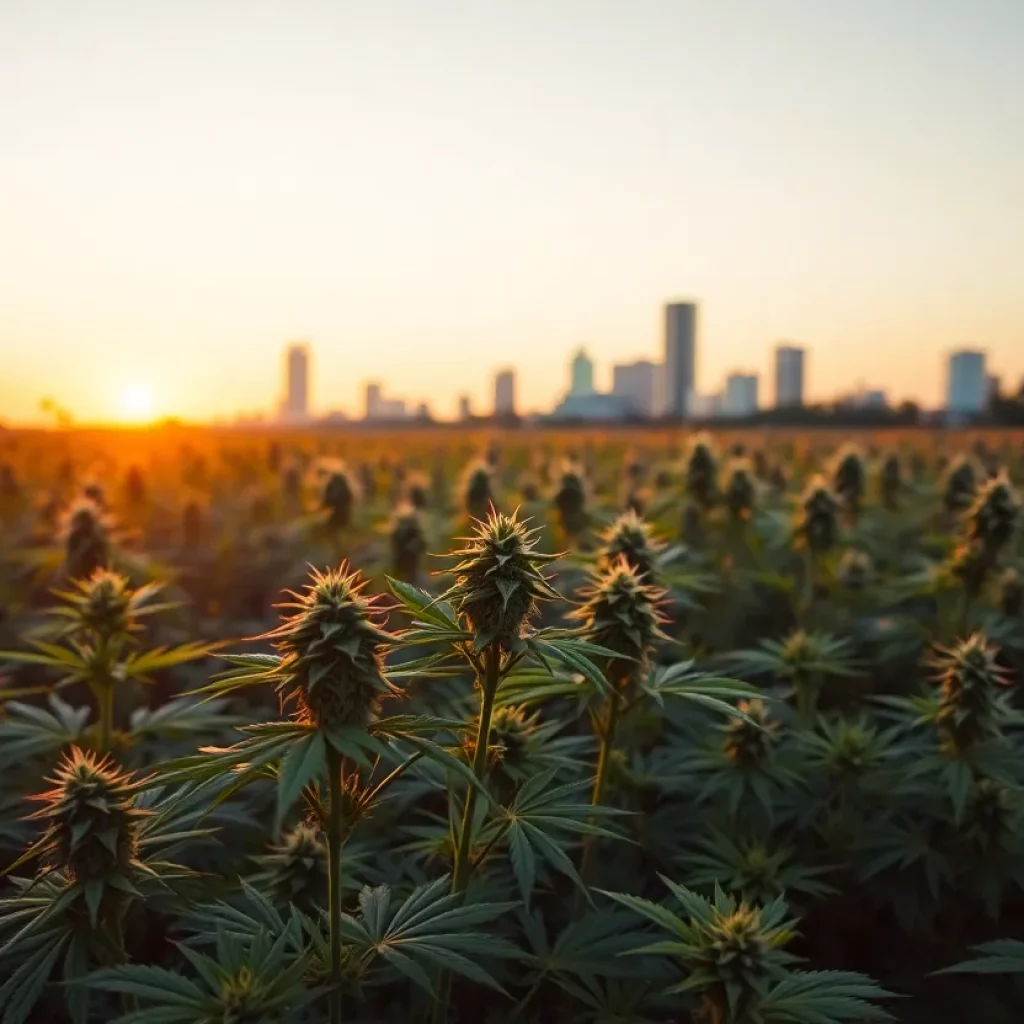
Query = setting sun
x=136 y=404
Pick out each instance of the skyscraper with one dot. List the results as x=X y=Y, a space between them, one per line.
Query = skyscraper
x=967 y=384
x=373 y=400
x=582 y=374
x=789 y=376
x=505 y=393
x=636 y=385
x=740 y=396
x=296 y=389
x=680 y=357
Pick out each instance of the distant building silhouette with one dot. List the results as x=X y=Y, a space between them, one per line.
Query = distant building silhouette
x=789 y=377
x=505 y=393
x=636 y=386
x=380 y=408
x=680 y=357
x=582 y=374
x=583 y=402
x=295 y=406
x=740 y=396
x=966 y=384
x=465 y=408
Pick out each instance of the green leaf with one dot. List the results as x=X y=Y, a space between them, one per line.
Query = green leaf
x=304 y=761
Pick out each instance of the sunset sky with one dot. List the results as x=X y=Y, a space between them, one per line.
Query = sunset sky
x=429 y=189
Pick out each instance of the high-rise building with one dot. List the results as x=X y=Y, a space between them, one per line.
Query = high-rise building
x=373 y=400
x=295 y=407
x=636 y=384
x=582 y=374
x=967 y=384
x=465 y=408
x=505 y=393
x=740 y=396
x=789 y=376
x=680 y=357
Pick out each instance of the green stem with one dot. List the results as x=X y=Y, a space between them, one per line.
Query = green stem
x=335 y=839
x=604 y=758
x=463 y=865
x=463 y=855
x=105 y=711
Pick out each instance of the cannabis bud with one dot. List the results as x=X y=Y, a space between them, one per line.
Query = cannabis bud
x=478 y=491
x=632 y=539
x=407 y=542
x=622 y=613
x=498 y=582
x=891 y=481
x=571 y=502
x=818 y=524
x=848 y=478
x=749 y=743
x=970 y=679
x=511 y=728
x=103 y=604
x=992 y=517
x=740 y=492
x=296 y=870
x=701 y=472
x=339 y=499
x=855 y=569
x=735 y=955
x=86 y=540
x=332 y=651
x=960 y=486
x=92 y=827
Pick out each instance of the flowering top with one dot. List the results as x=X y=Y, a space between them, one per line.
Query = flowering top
x=498 y=581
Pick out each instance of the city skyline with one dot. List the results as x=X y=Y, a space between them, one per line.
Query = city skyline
x=646 y=389
x=180 y=194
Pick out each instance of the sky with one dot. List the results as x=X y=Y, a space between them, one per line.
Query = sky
x=427 y=190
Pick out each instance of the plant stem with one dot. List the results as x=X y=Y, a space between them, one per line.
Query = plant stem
x=460 y=876
x=463 y=855
x=604 y=758
x=105 y=710
x=335 y=839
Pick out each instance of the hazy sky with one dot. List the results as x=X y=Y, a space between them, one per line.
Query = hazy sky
x=427 y=189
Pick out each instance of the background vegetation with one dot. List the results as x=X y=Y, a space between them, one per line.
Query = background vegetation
x=642 y=726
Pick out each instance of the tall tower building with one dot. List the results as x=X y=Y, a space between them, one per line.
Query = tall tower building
x=296 y=385
x=582 y=374
x=966 y=384
x=680 y=357
x=505 y=393
x=789 y=376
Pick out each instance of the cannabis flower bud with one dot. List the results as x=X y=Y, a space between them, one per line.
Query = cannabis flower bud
x=701 y=472
x=92 y=828
x=86 y=540
x=332 y=651
x=818 y=525
x=740 y=491
x=498 y=582
x=969 y=700
x=622 y=613
x=407 y=542
x=631 y=538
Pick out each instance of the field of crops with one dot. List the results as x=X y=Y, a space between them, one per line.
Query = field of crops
x=452 y=726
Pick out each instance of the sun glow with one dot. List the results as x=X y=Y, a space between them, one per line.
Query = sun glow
x=136 y=404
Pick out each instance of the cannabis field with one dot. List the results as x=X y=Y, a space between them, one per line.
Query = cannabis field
x=652 y=726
